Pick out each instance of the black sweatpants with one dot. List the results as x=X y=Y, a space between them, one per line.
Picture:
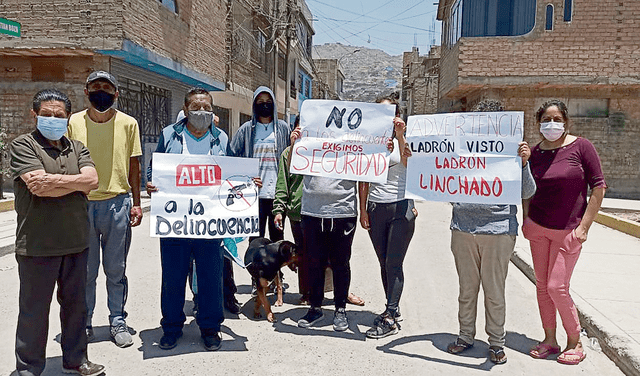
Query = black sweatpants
x=328 y=239
x=392 y=227
x=38 y=276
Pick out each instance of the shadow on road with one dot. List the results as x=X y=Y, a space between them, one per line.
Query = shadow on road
x=515 y=341
x=288 y=323
x=189 y=343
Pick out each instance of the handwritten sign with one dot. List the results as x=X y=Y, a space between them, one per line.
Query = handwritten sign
x=465 y=157
x=204 y=196
x=343 y=140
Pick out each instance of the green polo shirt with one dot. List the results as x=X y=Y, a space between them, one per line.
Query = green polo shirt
x=49 y=226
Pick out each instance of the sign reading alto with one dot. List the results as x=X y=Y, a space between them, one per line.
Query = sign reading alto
x=204 y=196
x=465 y=157
x=343 y=140
x=9 y=27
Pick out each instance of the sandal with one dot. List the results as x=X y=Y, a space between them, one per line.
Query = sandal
x=386 y=327
x=355 y=300
x=497 y=355
x=543 y=350
x=458 y=346
x=572 y=357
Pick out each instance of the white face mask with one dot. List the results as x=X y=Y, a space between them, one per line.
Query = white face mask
x=552 y=130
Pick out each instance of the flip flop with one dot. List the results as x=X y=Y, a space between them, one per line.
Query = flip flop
x=543 y=350
x=576 y=356
x=497 y=355
x=355 y=300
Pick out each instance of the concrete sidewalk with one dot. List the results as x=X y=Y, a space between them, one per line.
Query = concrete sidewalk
x=604 y=288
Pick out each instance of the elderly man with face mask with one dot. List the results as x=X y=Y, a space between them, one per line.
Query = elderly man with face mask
x=196 y=133
x=52 y=176
x=113 y=138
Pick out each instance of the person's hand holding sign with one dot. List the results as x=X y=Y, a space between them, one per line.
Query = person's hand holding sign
x=257 y=181
x=524 y=152
x=151 y=188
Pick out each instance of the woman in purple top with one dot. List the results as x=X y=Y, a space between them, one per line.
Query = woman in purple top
x=557 y=219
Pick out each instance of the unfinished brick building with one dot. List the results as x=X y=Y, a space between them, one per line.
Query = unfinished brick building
x=584 y=52
x=420 y=82
x=157 y=49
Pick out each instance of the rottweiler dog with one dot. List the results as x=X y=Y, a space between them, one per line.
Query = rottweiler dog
x=264 y=259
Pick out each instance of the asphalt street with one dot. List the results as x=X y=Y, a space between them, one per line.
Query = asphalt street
x=255 y=347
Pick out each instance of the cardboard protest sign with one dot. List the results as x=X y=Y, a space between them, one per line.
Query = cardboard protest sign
x=465 y=157
x=343 y=140
x=204 y=197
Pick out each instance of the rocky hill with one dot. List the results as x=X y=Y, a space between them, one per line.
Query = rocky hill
x=369 y=73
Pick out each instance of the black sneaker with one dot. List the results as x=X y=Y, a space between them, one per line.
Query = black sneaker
x=169 y=341
x=212 y=342
x=340 y=322
x=85 y=369
x=313 y=316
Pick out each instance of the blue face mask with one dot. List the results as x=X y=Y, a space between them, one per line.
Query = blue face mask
x=52 y=128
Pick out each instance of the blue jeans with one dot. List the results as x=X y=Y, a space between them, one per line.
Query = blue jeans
x=110 y=231
x=175 y=256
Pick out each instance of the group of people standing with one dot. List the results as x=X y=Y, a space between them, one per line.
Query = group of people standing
x=73 y=179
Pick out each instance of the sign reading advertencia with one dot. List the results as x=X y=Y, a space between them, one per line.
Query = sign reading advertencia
x=204 y=196
x=343 y=140
x=465 y=157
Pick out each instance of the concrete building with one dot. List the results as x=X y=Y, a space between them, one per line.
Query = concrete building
x=420 y=82
x=329 y=79
x=586 y=53
x=157 y=49
x=264 y=52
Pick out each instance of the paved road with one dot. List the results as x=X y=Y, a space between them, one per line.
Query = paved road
x=251 y=347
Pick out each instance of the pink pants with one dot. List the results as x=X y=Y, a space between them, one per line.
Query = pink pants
x=555 y=253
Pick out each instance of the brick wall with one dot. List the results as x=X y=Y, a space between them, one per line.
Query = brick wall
x=599 y=46
x=194 y=36
x=64 y=23
x=615 y=138
x=596 y=56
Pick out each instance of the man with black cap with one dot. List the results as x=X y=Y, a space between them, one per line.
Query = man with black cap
x=113 y=138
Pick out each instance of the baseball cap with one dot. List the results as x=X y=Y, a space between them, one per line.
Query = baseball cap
x=102 y=75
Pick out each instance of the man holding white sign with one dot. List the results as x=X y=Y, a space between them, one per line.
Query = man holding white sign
x=195 y=134
x=341 y=142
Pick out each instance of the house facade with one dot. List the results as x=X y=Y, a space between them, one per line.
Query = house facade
x=586 y=53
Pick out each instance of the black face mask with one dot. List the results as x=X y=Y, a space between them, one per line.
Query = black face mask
x=264 y=109
x=101 y=100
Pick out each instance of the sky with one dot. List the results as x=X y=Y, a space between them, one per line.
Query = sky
x=394 y=26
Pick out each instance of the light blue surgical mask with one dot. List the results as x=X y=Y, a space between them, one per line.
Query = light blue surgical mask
x=52 y=128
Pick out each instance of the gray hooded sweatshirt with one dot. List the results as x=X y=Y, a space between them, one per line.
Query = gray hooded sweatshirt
x=242 y=142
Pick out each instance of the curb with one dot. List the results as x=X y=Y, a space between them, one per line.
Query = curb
x=620 y=224
x=615 y=343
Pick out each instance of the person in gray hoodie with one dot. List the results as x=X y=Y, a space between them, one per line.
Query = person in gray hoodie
x=264 y=137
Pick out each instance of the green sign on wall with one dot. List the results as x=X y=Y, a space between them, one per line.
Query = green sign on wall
x=9 y=27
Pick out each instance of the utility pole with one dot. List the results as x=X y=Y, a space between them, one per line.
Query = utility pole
x=287 y=84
